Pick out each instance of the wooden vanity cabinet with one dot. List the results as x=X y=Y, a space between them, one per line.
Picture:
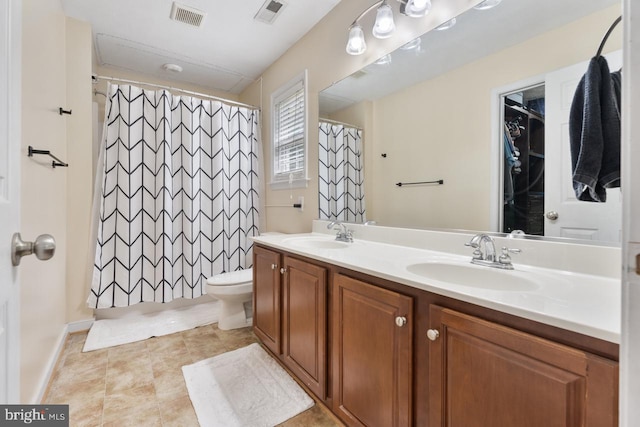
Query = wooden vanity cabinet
x=304 y=323
x=363 y=345
x=267 y=297
x=484 y=374
x=372 y=354
x=290 y=314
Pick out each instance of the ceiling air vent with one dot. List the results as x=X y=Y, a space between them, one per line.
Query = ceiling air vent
x=187 y=15
x=269 y=11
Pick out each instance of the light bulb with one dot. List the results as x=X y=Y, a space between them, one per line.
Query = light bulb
x=417 y=8
x=356 y=44
x=384 y=25
x=445 y=26
x=487 y=4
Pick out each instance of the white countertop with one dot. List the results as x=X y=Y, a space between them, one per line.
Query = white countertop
x=583 y=303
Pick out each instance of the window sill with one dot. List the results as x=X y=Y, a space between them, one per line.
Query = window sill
x=285 y=185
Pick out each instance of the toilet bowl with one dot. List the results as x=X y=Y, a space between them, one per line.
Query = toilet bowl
x=234 y=290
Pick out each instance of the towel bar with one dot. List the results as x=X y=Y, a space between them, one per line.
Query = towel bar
x=439 y=182
x=56 y=161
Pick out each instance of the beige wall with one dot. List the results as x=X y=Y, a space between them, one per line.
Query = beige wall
x=322 y=53
x=44 y=189
x=56 y=69
x=80 y=172
x=441 y=129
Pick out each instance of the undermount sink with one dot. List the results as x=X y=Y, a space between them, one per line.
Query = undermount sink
x=474 y=276
x=316 y=243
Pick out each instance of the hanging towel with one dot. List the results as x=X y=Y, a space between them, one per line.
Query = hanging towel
x=594 y=132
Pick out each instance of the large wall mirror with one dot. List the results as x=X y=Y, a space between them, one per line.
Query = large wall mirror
x=435 y=114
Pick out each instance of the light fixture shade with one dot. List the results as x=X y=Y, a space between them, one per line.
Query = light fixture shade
x=384 y=25
x=487 y=4
x=417 y=8
x=356 y=44
x=446 y=25
x=385 y=60
x=413 y=44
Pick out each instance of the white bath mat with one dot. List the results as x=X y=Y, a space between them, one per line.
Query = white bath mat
x=137 y=327
x=244 y=387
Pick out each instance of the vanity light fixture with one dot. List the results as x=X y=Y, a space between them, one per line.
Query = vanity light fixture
x=487 y=4
x=384 y=25
x=417 y=8
x=356 y=44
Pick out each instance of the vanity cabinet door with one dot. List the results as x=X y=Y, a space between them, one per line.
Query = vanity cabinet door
x=372 y=354
x=485 y=374
x=304 y=323
x=266 y=297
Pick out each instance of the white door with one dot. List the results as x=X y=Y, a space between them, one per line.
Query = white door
x=630 y=340
x=10 y=87
x=575 y=219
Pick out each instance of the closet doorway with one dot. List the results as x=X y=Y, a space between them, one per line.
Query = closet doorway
x=537 y=186
x=524 y=160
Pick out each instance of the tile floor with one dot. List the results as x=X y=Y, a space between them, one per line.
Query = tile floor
x=141 y=384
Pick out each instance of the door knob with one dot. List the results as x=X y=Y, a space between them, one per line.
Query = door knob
x=552 y=215
x=433 y=334
x=44 y=247
x=401 y=321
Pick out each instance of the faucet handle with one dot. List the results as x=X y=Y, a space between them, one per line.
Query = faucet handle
x=477 y=253
x=505 y=258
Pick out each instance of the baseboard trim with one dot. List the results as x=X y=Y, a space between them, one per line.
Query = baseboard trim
x=45 y=382
x=79 y=326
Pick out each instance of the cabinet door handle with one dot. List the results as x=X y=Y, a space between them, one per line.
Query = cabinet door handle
x=433 y=334
x=283 y=270
x=401 y=321
x=274 y=266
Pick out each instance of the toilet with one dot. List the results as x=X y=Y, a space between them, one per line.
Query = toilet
x=234 y=290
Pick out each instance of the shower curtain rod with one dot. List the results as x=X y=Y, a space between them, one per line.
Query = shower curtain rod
x=176 y=89
x=335 y=122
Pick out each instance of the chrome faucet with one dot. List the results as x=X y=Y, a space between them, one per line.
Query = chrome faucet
x=485 y=252
x=343 y=234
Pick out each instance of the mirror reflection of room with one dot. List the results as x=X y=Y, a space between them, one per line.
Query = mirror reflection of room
x=524 y=161
x=435 y=112
x=340 y=172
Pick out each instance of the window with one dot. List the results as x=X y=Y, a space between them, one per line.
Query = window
x=289 y=134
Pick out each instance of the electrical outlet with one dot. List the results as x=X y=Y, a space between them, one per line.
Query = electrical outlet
x=301 y=203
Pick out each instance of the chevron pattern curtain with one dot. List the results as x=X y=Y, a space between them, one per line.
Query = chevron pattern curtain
x=341 y=176
x=179 y=196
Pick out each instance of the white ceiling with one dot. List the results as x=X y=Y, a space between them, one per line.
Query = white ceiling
x=226 y=53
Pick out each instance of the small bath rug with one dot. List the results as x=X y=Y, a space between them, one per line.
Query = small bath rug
x=137 y=327
x=244 y=387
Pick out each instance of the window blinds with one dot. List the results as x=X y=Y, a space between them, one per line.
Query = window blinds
x=289 y=133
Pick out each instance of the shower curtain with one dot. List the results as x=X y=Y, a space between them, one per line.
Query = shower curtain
x=341 y=175
x=177 y=199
